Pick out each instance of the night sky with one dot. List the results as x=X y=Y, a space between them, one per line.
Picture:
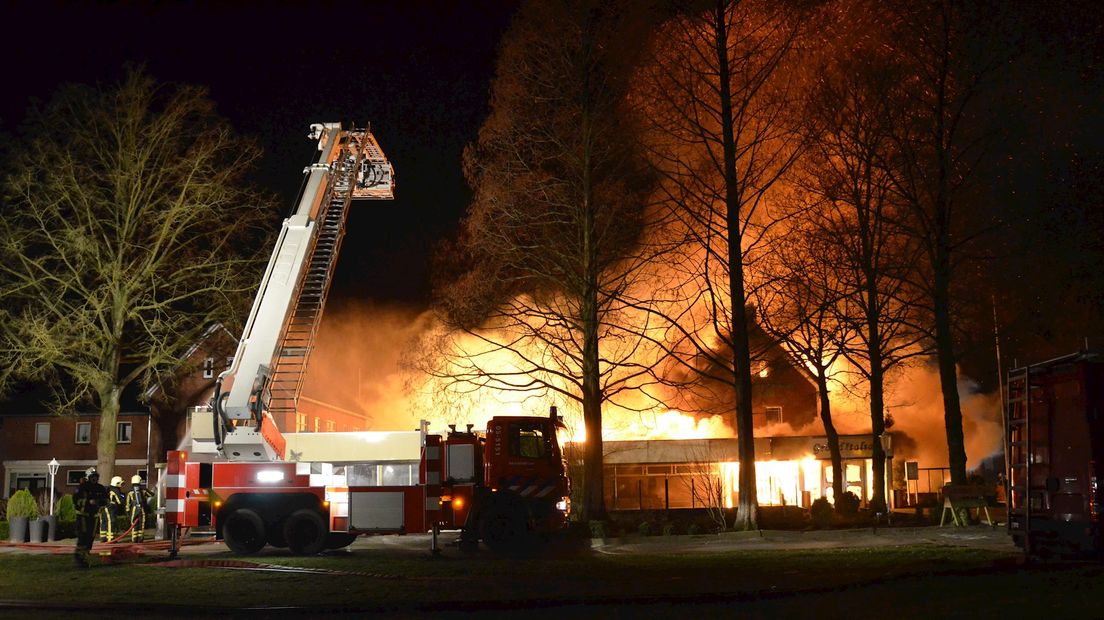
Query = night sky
x=419 y=72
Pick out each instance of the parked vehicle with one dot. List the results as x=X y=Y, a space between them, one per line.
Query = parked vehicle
x=1054 y=446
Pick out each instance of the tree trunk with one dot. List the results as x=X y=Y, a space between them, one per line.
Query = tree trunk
x=877 y=395
x=106 y=442
x=747 y=509
x=830 y=435
x=948 y=373
x=877 y=427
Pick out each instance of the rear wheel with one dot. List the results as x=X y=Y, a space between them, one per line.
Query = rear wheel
x=244 y=531
x=305 y=532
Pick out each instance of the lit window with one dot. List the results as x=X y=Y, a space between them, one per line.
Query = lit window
x=774 y=415
x=300 y=422
x=125 y=432
x=42 y=432
x=209 y=368
x=329 y=426
x=317 y=424
x=84 y=432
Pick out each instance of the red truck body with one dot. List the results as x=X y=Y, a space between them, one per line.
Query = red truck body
x=502 y=486
x=1054 y=433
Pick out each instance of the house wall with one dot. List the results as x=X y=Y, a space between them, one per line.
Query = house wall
x=25 y=462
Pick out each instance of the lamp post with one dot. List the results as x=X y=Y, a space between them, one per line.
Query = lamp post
x=53 y=465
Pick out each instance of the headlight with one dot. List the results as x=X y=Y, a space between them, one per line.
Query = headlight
x=563 y=505
x=270 y=475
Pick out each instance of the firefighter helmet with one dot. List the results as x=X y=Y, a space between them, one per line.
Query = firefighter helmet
x=136 y=479
x=91 y=473
x=116 y=481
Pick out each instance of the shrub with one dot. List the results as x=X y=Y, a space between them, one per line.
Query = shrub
x=822 y=513
x=66 y=510
x=848 y=504
x=22 y=504
x=669 y=529
x=599 y=529
x=65 y=529
x=4 y=531
x=645 y=528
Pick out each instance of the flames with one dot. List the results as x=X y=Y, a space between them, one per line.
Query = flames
x=371 y=374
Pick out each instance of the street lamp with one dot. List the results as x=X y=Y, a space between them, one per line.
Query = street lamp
x=53 y=465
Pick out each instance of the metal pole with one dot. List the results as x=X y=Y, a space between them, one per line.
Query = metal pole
x=52 y=467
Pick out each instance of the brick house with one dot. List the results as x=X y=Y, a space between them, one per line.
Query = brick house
x=29 y=441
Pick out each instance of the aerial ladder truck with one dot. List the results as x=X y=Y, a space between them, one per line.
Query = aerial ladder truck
x=253 y=484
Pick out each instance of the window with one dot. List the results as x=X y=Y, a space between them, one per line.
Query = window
x=144 y=474
x=209 y=368
x=329 y=426
x=317 y=424
x=84 y=432
x=300 y=422
x=774 y=415
x=73 y=476
x=42 y=432
x=528 y=440
x=125 y=432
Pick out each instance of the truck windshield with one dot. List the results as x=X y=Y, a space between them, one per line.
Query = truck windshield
x=529 y=441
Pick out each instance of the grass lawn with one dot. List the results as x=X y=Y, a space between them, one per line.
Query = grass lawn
x=922 y=581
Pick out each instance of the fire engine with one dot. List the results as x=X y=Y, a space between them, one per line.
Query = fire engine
x=253 y=485
x=1054 y=446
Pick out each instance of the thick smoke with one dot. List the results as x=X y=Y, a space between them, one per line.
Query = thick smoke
x=355 y=364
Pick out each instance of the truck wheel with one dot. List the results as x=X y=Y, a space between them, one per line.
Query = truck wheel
x=503 y=528
x=244 y=531
x=338 y=540
x=305 y=532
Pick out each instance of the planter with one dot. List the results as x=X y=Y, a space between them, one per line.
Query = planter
x=51 y=527
x=37 y=530
x=17 y=529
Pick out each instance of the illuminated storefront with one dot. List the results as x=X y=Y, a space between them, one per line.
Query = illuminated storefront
x=697 y=473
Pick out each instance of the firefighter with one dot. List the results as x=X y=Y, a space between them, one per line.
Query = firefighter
x=110 y=512
x=89 y=498
x=136 y=500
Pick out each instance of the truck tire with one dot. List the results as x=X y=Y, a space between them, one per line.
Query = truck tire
x=243 y=531
x=504 y=529
x=338 y=540
x=305 y=532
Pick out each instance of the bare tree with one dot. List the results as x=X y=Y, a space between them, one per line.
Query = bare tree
x=851 y=123
x=550 y=241
x=127 y=232
x=802 y=309
x=718 y=98
x=947 y=52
